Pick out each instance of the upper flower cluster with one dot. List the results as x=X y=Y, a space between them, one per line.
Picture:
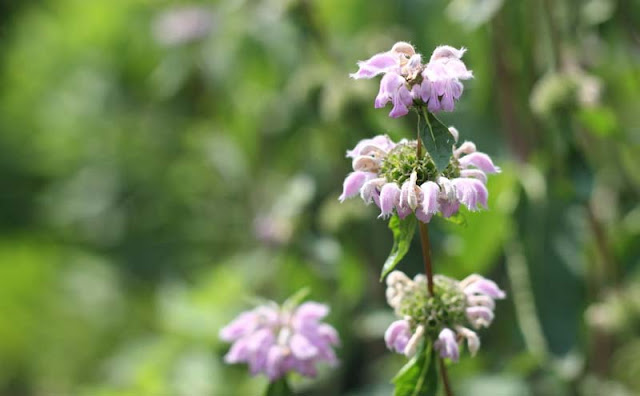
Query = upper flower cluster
x=391 y=175
x=275 y=340
x=407 y=81
x=453 y=305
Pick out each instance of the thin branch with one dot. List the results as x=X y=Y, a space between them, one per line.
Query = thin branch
x=426 y=254
x=445 y=378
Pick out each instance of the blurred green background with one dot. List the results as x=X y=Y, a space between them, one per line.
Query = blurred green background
x=164 y=162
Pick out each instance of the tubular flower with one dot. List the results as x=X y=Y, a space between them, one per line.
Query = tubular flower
x=274 y=340
x=394 y=178
x=406 y=81
x=442 y=317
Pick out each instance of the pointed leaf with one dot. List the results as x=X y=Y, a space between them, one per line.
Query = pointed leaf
x=295 y=300
x=279 y=388
x=436 y=138
x=419 y=376
x=403 y=230
x=458 y=218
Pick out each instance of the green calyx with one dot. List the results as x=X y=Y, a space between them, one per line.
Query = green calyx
x=402 y=160
x=446 y=308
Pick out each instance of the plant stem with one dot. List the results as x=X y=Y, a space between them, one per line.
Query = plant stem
x=424 y=229
x=426 y=254
x=445 y=378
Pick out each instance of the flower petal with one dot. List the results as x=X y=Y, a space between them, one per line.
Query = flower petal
x=389 y=198
x=352 y=184
x=480 y=161
x=302 y=348
x=447 y=345
x=377 y=64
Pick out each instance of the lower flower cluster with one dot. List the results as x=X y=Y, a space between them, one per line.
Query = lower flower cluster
x=393 y=177
x=443 y=316
x=275 y=340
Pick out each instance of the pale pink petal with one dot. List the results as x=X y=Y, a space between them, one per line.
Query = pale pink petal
x=302 y=348
x=402 y=100
x=245 y=323
x=423 y=217
x=430 y=192
x=238 y=352
x=481 y=161
x=486 y=287
x=474 y=173
x=353 y=183
x=389 y=198
x=275 y=358
x=311 y=311
x=479 y=316
x=377 y=64
x=389 y=85
x=397 y=335
x=447 y=345
x=446 y=51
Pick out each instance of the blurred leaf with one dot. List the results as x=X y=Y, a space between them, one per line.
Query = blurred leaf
x=594 y=12
x=484 y=232
x=436 y=138
x=473 y=13
x=419 y=376
x=279 y=388
x=600 y=120
x=403 y=230
x=459 y=219
x=296 y=299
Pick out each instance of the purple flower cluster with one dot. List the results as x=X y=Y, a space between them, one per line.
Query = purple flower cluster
x=476 y=304
x=273 y=340
x=441 y=194
x=406 y=80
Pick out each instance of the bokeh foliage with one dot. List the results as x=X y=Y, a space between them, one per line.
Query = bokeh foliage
x=158 y=177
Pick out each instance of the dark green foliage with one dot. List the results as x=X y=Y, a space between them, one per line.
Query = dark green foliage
x=403 y=230
x=436 y=138
x=419 y=377
x=279 y=388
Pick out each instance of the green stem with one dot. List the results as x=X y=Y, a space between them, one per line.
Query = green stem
x=426 y=254
x=445 y=378
x=424 y=229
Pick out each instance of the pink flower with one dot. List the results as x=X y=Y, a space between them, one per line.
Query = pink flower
x=274 y=341
x=442 y=314
x=447 y=345
x=481 y=293
x=397 y=335
x=423 y=198
x=406 y=80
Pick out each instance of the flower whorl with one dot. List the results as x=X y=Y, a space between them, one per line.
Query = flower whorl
x=442 y=316
x=406 y=80
x=275 y=340
x=393 y=177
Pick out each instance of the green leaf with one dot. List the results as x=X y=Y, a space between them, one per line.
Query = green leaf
x=403 y=231
x=279 y=388
x=419 y=376
x=296 y=298
x=436 y=138
x=459 y=218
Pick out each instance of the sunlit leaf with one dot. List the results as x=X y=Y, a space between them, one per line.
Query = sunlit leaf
x=403 y=230
x=419 y=376
x=436 y=138
x=296 y=298
x=459 y=218
x=279 y=388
